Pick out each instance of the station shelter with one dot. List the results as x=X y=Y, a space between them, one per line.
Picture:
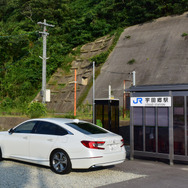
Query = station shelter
x=107 y=114
x=159 y=121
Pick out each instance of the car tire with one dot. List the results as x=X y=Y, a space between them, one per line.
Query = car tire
x=1 y=155
x=60 y=162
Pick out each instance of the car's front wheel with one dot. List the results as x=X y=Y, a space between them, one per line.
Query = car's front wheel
x=60 y=162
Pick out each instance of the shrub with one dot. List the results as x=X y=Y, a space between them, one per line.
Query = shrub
x=130 y=62
x=184 y=35
x=127 y=37
x=7 y=102
x=36 y=110
x=69 y=116
x=100 y=58
x=99 y=123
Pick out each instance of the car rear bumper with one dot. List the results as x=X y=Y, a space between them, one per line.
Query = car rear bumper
x=98 y=161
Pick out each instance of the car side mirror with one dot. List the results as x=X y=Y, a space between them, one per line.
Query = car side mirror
x=11 y=130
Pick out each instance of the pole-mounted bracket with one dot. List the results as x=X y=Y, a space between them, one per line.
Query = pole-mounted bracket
x=43 y=58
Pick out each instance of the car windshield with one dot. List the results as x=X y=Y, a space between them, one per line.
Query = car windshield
x=87 y=128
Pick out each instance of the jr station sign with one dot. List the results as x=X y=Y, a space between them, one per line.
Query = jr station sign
x=151 y=101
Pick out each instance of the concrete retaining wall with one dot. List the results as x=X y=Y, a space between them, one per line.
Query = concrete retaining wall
x=9 y=122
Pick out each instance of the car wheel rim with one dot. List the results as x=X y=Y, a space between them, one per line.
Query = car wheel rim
x=59 y=161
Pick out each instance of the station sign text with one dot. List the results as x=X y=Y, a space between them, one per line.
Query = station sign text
x=151 y=101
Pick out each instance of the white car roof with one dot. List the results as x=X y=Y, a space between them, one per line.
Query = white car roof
x=57 y=120
x=62 y=122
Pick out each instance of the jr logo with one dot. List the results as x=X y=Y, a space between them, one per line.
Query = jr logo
x=138 y=100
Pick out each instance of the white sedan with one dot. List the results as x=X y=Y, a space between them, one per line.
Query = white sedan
x=62 y=144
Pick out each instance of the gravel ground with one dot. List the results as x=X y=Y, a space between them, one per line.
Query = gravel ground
x=22 y=175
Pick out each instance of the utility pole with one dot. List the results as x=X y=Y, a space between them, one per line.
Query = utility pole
x=75 y=92
x=109 y=92
x=93 y=91
x=44 y=58
x=134 y=78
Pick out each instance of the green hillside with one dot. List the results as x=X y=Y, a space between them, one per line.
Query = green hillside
x=76 y=23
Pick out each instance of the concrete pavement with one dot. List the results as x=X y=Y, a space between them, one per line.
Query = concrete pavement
x=155 y=174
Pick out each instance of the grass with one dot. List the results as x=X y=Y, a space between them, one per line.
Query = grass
x=61 y=86
x=85 y=111
x=130 y=62
x=126 y=118
x=8 y=112
x=184 y=34
x=82 y=116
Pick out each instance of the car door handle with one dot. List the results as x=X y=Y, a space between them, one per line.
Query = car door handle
x=50 y=140
x=25 y=137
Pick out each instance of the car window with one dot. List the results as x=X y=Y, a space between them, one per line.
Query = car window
x=26 y=127
x=50 y=129
x=61 y=131
x=87 y=128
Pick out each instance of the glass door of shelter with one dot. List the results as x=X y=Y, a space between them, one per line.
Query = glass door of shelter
x=151 y=129
x=163 y=129
x=180 y=125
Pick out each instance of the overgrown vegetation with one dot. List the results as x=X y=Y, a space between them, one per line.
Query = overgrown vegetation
x=101 y=58
x=130 y=62
x=76 y=22
x=127 y=37
x=184 y=35
x=36 y=110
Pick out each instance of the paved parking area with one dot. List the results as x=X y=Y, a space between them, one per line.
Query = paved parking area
x=155 y=174
x=136 y=173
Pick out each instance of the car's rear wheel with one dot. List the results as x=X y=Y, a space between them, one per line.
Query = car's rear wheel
x=60 y=162
x=1 y=155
